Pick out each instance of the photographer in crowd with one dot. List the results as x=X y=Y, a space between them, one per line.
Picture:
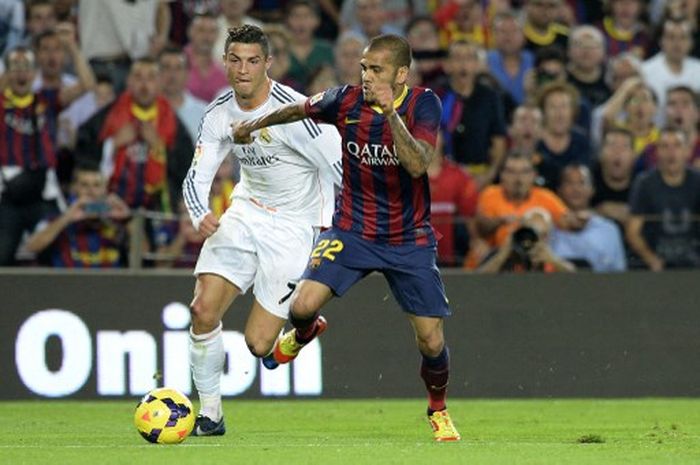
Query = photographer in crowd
x=91 y=233
x=527 y=248
x=501 y=206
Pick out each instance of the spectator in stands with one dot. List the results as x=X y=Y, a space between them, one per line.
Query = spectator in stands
x=453 y=198
x=501 y=206
x=206 y=77
x=613 y=175
x=623 y=28
x=665 y=205
x=348 y=53
x=682 y=111
x=586 y=68
x=11 y=25
x=686 y=10
x=181 y=14
x=279 y=38
x=527 y=249
x=508 y=61
x=395 y=14
x=619 y=69
x=525 y=132
x=234 y=13
x=54 y=49
x=28 y=126
x=91 y=233
x=462 y=20
x=307 y=53
x=66 y=11
x=598 y=245
x=561 y=143
x=550 y=66
x=637 y=103
x=473 y=122
x=41 y=17
x=173 y=76
x=423 y=36
x=541 y=26
x=115 y=32
x=141 y=145
x=672 y=66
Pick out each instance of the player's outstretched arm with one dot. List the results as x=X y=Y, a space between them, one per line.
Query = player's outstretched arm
x=287 y=114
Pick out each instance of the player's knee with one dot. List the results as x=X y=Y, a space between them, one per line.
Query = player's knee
x=430 y=344
x=303 y=306
x=258 y=347
x=204 y=318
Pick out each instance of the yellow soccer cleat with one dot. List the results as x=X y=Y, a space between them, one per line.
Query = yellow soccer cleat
x=287 y=348
x=443 y=428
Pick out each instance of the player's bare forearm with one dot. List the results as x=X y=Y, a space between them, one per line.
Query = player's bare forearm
x=413 y=154
x=286 y=114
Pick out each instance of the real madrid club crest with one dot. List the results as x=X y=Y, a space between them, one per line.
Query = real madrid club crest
x=265 y=135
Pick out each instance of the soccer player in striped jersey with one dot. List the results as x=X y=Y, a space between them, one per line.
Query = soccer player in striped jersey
x=285 y=194
x=382 y=220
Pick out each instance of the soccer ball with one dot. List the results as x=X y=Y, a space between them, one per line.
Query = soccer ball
x=164 y=416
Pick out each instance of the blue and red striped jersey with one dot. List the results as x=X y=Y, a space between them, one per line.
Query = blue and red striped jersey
x=89 y=244
x=379 y=199
x=18 y=146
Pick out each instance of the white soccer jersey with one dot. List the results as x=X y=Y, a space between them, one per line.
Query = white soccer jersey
x=290 y=168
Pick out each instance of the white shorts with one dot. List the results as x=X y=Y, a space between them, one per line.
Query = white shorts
x=259 y=248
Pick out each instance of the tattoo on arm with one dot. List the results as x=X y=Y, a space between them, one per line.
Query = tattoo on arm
x=414 y=155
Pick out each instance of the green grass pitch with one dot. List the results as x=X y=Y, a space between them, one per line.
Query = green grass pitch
x=576 y=432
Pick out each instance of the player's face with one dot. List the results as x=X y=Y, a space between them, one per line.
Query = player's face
x=246 y=68
x=378 y=68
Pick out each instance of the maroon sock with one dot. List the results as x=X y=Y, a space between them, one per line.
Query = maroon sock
x=305 y=329
x=435 y=372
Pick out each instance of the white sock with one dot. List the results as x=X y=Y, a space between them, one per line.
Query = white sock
x=207 y=363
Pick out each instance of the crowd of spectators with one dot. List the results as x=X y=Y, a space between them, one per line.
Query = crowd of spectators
x=569 y=133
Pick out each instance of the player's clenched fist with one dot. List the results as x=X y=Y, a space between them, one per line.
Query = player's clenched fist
x=384 y=97
x=241 y=132
x=209 y=225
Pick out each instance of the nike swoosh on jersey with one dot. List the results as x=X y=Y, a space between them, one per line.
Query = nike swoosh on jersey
x=351 y=121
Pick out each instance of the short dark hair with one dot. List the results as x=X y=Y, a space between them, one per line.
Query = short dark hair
x=43 y=36
x=310 y=4
x=621 y=130
x=397 y=45
x=675 y=130
x=549 y=53
x=248 y=34
x=687 y=90
x=147 y=60
x=516 y=154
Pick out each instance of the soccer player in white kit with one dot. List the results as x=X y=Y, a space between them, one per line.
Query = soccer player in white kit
x=285 y=194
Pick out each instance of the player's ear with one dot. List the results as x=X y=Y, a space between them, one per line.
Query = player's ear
x=402 y=75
